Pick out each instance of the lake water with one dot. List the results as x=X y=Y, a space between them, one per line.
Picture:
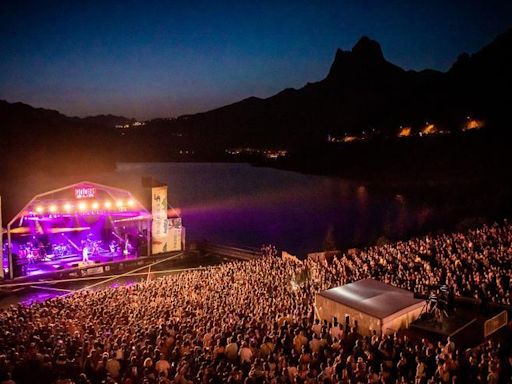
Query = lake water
x=238 y=204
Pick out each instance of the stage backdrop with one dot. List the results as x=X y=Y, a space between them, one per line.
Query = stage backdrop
x=174 y=234
x=159 y=227
x=166 y=233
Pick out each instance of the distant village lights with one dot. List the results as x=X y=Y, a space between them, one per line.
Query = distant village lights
x=130 y=125
x=271 y=154
x=472 y=124
x=427 y=129
x=404 y=131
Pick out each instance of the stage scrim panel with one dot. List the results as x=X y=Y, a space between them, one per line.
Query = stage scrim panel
x=166 y=232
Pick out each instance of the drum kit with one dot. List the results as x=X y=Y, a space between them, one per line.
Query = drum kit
x=120 y=249
x=115 y=248
x=61 y=250
x=30 y=253
x=92 y=247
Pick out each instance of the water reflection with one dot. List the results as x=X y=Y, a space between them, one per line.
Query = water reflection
x=243 y=205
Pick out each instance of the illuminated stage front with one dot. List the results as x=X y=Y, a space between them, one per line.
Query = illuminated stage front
x=77 y=225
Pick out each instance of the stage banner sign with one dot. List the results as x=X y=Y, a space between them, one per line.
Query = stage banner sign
x=84 y=191
x=159 y=227
x=174 y=234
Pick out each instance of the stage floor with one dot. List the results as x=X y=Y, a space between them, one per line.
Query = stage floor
x=71 y=261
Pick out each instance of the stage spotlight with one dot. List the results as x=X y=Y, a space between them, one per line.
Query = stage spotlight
x=95 y=205
x=82 y=206
x=39 y=209
x=119 y=203
x=131 y=203
x=52 y=209
x=108 y=204
x=67 y=207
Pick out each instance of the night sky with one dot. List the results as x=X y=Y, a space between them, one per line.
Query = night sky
x=159 y=59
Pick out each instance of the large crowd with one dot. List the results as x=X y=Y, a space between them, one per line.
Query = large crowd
x=475 y=264
x=253 y=322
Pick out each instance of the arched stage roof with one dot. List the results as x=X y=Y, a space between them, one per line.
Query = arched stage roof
x=83 y=198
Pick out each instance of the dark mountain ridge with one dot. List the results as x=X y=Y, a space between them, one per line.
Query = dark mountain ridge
x=42 y=140
x=362 y=93
x=19 y=112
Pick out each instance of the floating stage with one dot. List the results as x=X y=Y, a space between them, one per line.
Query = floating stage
x=74 y=268
x=87 y=229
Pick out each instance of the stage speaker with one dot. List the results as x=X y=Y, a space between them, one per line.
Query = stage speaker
x=143 y=249
x=18 y=270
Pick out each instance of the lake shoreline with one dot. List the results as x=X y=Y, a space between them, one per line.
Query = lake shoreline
x=252 y=204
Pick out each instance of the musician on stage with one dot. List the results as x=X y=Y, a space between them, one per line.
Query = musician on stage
x=85 y=253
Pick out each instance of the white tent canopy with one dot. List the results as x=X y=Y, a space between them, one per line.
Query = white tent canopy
x=374 y=304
